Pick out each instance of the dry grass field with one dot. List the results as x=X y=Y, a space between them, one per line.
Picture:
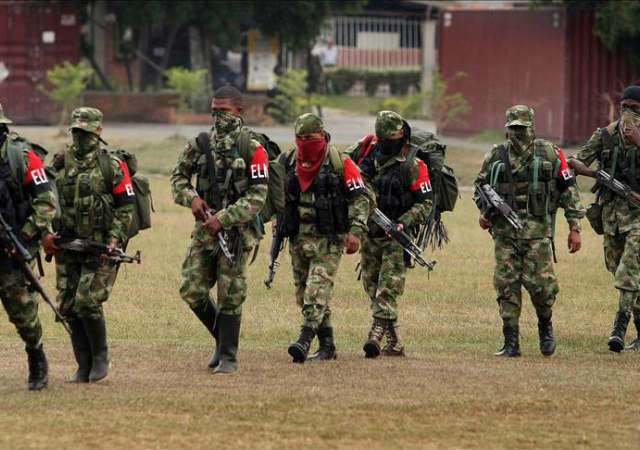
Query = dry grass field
x=448 y=393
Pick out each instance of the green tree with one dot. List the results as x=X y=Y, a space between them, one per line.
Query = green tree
x=68 y=82
x=188 y=83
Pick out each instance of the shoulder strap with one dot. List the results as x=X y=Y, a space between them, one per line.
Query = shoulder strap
x=214 y=190
x=335 y=158
x=16 y=162
x=244 y=142
x=104 y=161
x=504 y=156
x=607 y=139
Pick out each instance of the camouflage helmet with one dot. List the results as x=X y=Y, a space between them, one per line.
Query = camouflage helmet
x=520 y=115
x=308 y=123
x=4 y=119
x=388 y=123
x=87 y=119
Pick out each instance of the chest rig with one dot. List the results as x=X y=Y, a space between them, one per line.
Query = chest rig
x=86 y=200
x=532 y=186
x=619 y=160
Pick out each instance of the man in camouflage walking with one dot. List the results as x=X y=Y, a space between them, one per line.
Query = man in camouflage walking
x=28 y=205
x=96 y=209
x=326 y=210
x=230 y=191
x=402 y=190
x=616 y=148
x=533 y=177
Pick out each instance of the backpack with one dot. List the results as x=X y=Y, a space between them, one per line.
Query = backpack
x=141 y=188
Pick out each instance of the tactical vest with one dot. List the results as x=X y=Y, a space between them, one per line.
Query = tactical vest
x=534 y=187
x=86 y=201
x=620 y=161
x=327 y=199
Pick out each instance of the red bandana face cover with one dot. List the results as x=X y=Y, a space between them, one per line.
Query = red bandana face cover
x=310 y=157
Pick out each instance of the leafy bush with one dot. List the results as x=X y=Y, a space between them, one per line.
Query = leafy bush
x=68 y=81
x=190 y=85
x=339 y=81
x=409 y=106
x=291 y=98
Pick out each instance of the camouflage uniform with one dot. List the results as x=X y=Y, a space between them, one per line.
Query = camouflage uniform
x=242 y=179
x=383 y=265
x=620 y=220
x=22 y=169
x=524 y=257
x=90 y=210
x=315 y=256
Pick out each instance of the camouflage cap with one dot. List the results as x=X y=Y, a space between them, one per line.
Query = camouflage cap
x=520 y=115
x=387 y=123
x=3 y=118
x=308 y=123
x=87 y=119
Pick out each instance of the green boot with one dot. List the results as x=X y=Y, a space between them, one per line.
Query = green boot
x=207 y=313
x=96 y=330
x=229 y=327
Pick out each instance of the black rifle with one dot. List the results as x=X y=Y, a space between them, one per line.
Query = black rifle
x=16 y=250
x=402 y=238
x=492 y=203
x=88 y=247
x=618 y=187
x=277 y=244
x=223 y=243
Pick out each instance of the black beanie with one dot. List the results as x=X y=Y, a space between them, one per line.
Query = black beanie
x=631 y=93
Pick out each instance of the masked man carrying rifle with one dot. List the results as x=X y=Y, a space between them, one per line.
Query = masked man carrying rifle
x=230 y=192
x=533 y=178
x=402 y=190
x=28 y=206
x=616 y=148
x=326 y=210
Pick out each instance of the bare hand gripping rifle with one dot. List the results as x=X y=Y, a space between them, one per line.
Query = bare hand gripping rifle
x=16 y=250
x=492 y=204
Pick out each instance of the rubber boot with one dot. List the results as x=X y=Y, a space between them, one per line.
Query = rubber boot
x=300 y=349
x=229 y=329
x=38 y=369
x=511 y=347
x=547 y=340
x=207 y=314
x=393 y=346
x=97 y=333
x=81 y=351
x=376 y=334
x=635 y=345
x=616 y=341
x=327 y=349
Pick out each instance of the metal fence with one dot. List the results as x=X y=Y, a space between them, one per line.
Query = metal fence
x=376 y=42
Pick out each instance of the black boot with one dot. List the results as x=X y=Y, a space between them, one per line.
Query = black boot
x=376 y=334
x=97 y=333
x=229 y=327
x=300 y=349
x=38 y=369
x=208 y=313
x=327 y=349
x=511 y=347
x=547 y=340
x=81 y=350
x=616 y=341
x=635 y=345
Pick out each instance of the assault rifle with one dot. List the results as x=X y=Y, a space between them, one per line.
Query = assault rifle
x=88 y=247
x=223 y=243
x=16 y=250
x=277 y=244
x=402 y=238
x=491 y=202
x=605 y=179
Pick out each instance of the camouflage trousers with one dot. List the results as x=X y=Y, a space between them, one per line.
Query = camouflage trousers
x=528 y=263
x=383 y=275
x=83 y=285
x=20 y=304
x=205 y=266
x=315 y=262
x=622 y=258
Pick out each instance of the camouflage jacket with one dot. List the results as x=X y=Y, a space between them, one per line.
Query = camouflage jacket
x=91 y=209
x=358 y=202
x=248 y=175
x=417 y=183
x=36 y=185
x=617 y=215
x=564 y=192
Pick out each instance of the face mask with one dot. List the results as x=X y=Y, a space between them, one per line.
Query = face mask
x=84 y=142
x=224 y=122
x=391 y=146
x=311 y=150
x=521 y=137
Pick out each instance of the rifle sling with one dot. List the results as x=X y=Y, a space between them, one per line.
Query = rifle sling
x=214 y=190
